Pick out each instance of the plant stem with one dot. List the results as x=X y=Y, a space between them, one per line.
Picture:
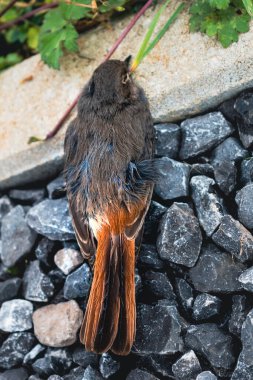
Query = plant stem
x=11 y=3
x=127 y=29
x=108 y=56
x=27 y=15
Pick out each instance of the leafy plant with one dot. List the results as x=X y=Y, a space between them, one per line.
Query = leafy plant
x=223 y=19
x=53 y=30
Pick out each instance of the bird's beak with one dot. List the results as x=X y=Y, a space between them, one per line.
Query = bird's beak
x=128 y=60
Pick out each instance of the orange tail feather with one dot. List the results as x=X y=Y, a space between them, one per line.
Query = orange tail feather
x=109 y=320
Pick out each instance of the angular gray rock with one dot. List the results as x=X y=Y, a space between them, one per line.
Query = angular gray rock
x=158 y=330
x=56 y=188
x=16 y=315
x=9 y=288
x=202 y=133
x=246 y=171
x=240 y=309
x=167 y=140
x=206 y=306
x=14 y=374
x=108 y=366
x=243 y=107
x=179 y=239
x=225 y=174
x=202 y=169
x=31 y=356
x=51 y=218
x=78 y=283
x=149 y=259
x=243 y=370
x=139 y=374
x=91 y=374
x=45 y=251
x=173 y=179
x=17 y=237
x=14 y=349
x=36 y=285
x=246 y=279
x=209 y=205
x=216 y=346
x=216 y=272
x=229 y=150
x=187 y=367
x=206 y=375
x=85 y=358
x=232 y=236
x=5 y=207
x=153 y=217
x=27 y=196
x=56 y=361
x=244 y=200
x=244 y=367
x=57 y=325
x=157 y=284
x=68 y=259
x=185 y=294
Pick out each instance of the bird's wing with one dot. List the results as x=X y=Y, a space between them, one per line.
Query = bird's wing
x=84 y=235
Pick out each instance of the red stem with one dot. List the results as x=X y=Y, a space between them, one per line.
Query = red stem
x=4 y=10
x=27 y=15
x=108 y=55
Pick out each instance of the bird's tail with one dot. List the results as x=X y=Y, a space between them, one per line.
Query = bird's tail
x=109 y=321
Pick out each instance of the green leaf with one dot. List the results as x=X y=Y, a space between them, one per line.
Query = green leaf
x=16 y=34
x=227 y=35
x=50 y=46
x=10 y=15
x=70 y=43
x=249 y=6
x=53 y=21
x=33 y=37
x=223 y=19
x=9 y=60
x=211 y=29
x=161 y=33
x=109 y=5
x=75 y=12
x=148 y=35
x=219 y=4
x=242 y=24
x=34 y=139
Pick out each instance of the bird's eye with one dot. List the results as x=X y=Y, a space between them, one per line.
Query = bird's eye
x=125 y=78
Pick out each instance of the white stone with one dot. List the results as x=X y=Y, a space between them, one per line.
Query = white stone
x=16 y=315
x=67 y=259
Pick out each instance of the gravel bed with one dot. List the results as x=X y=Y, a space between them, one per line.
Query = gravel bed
x=194 y=273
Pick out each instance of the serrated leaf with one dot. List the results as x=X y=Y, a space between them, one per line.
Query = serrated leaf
x=53 y=21
x=211 y=29
x=75 y=12
x=70 y=43
x=242 y=24
x=227 y=35
x=50 y=46
x=219 y=4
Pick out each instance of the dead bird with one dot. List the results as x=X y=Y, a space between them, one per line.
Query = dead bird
x=109 y=174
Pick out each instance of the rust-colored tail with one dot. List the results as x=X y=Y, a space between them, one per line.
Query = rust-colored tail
x=109 y=321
